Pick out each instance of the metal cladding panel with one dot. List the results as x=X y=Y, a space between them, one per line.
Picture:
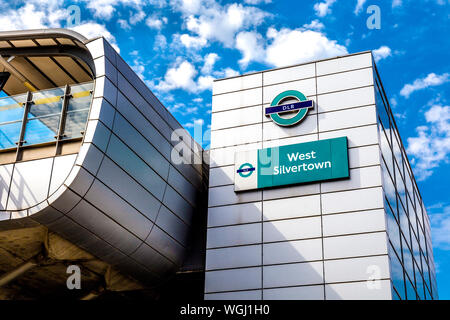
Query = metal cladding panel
x=60 y=171
x=122 y=184
x=104 y=227
x=120 y=198
x=5 y=180
x=29 y=184
x=118 y=209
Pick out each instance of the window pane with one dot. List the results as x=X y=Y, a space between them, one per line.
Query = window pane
x=48 y=102
x=393 y=230
x=407 y=260
x=80 y=97
x=9 y=134
x=75 y=123
x=404 y=223
x=411 y=293
x=11 y=108
x=41 y=130
x=397 y=273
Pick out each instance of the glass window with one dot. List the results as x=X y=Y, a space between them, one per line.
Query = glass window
x=393 y=229
x=396 y=148
x=44 y=116
x=397 y=275
x=78 y=110
x=400 y=185
x=419 y=285
x=11 y=116
x=410 y=291
x=412 y=216
x=404 y=222
x=407 y=259
x=386 y=152
x=389 y=189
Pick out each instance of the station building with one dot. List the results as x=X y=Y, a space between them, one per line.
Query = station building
x=306 y=191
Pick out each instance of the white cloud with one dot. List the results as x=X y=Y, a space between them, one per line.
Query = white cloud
x=381 y=53
x=359 y=6
x=137 y=17
x=210 y=60
x=192 y=42
x=429 y=81
x=124 y=24
x=160 y=42
x=323 y=8
x=33 y=15
x=314 y=25
x=228 y=72
x=154 y=22
x=251 y=46
x=296 y=46
x=180 y=76
x=195 y=122
x=104 y=9
x=431 y=146
x=204 y=83
x=211 y=21
x=92 y=29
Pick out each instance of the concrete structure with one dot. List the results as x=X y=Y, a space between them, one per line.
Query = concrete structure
x=87 y=157
x=318 y=240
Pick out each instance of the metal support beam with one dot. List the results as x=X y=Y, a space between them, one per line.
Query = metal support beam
x=20 y=270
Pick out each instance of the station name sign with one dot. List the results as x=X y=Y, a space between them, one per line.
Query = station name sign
x=292 y=164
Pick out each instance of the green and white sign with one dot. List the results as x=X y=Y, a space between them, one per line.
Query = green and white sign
x=292 y=164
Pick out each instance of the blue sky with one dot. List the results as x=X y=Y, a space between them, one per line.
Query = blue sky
x=179 y=46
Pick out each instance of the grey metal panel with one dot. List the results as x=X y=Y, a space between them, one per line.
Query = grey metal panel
x=106 y=89
x=99 y=136
x=104 y=227
x=104 y=199
x=143 y=90
x=143 y=125
x=137 y=143
x=127 y=89
x=92 y=158
x=75 y=233
x=153 y=260
x=81 y=181
x=102 y=110
x=65 y=202
x=135 y=167
x=179 y=183
x=138 y=271
x=178 y=205
x=173 y=225
x=160 y=142
x=47 y=216
x=119 y=181
x=165 y=245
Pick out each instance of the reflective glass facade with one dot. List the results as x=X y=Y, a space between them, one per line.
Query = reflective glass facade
x=51 y=115
x=408 y=225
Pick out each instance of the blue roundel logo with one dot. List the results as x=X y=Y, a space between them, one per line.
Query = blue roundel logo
x=289 y=108
x=246 y=170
